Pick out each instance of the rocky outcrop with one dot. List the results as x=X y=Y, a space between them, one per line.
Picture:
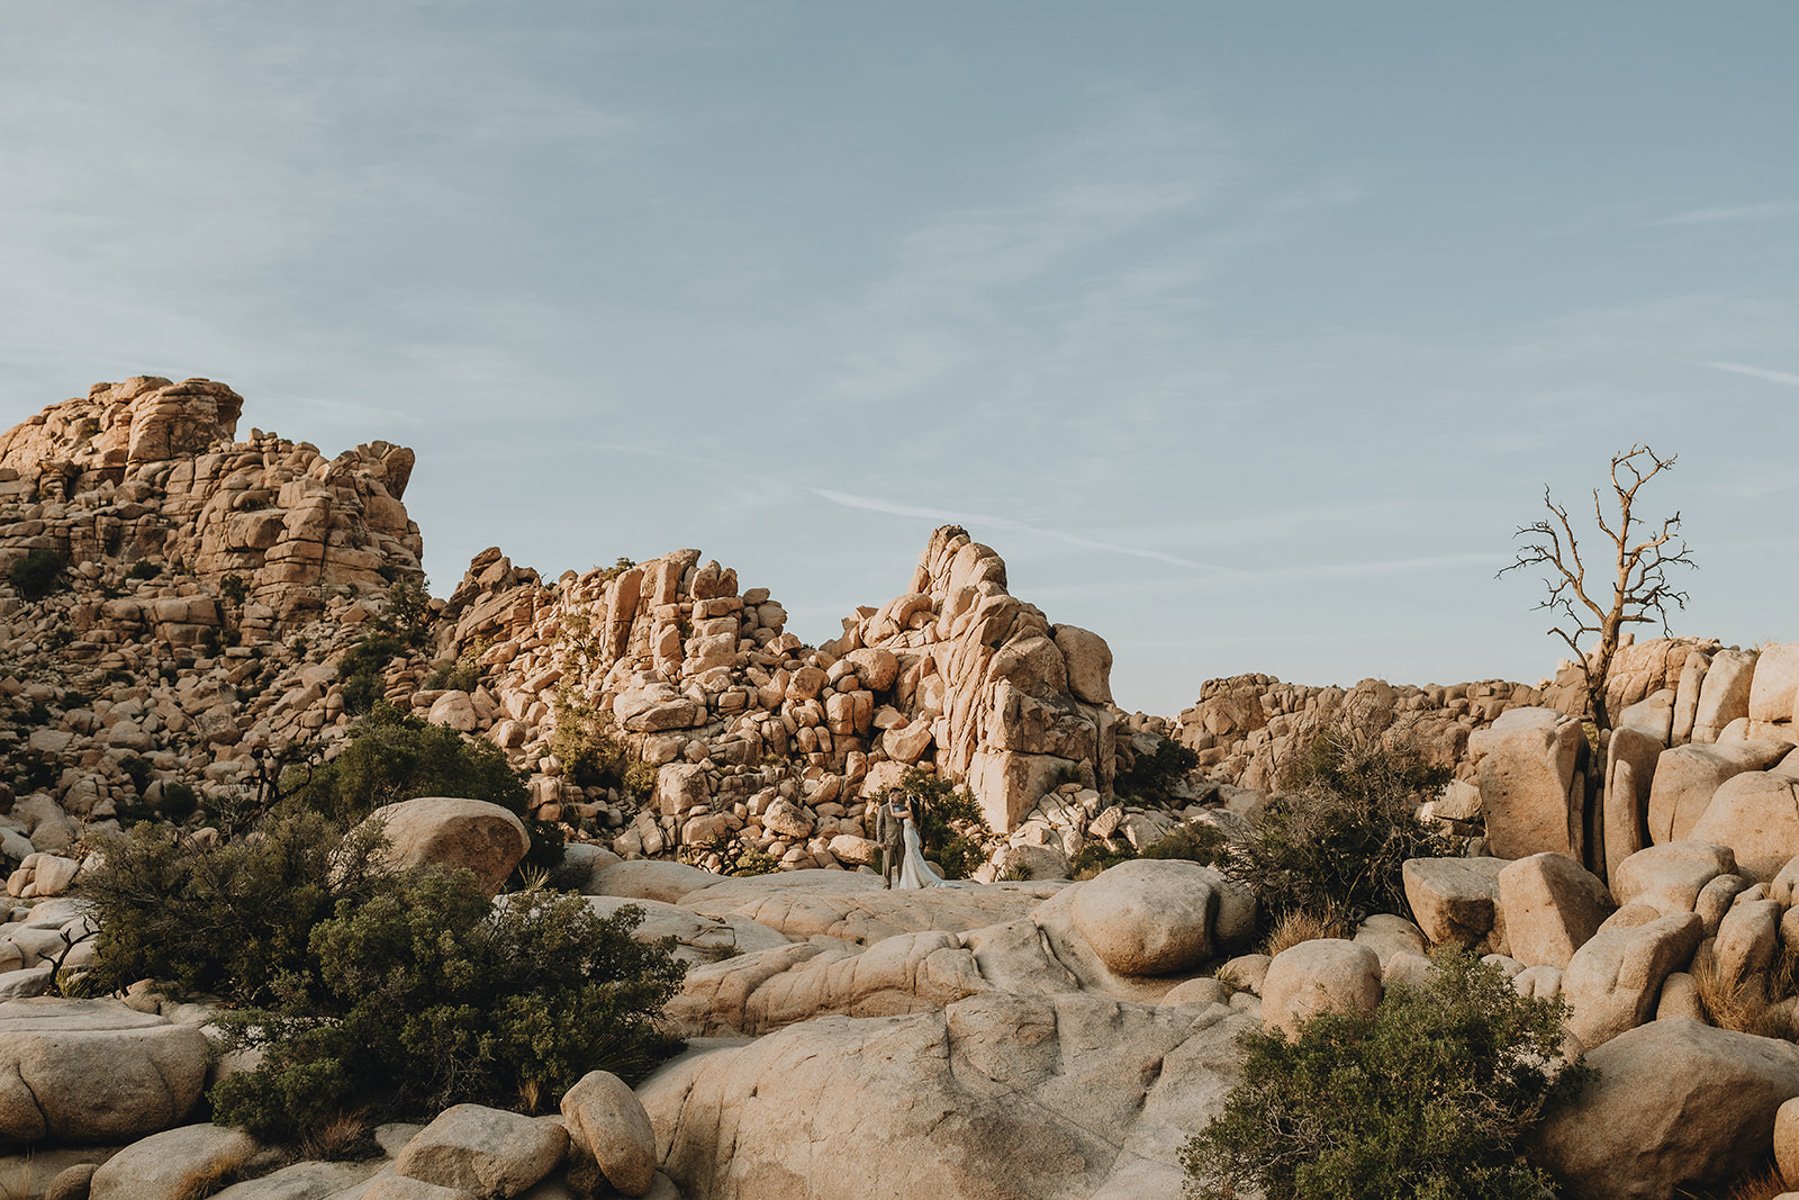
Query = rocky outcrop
x=763 y=744
x=149 y=471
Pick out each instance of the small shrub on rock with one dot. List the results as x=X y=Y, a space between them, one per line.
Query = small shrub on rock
x=1427 y=1098
x=38 y=574
x=428 y=995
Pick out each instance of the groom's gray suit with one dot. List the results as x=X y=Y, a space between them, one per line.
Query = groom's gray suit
x=890 y=832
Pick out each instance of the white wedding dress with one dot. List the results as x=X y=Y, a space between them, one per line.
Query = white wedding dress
x=914 y=871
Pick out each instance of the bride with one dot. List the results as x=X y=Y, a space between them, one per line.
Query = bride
x=915 y=872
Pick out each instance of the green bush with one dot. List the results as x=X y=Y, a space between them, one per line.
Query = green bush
x=360 y=670
x=393 y=757
x=38 y=574
x=144 y=568
x=951 y=826
x=1194 y=841
x=179 y=800
x=137 y=768
x=592 y=755
x=1355 y=757
x=427 y=996
x=1152 y=776
x=230 y=920
x=1427 y=1098
x=1334 y=849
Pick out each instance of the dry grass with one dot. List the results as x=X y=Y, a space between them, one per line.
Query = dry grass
x=1297 y=927
x=1230 y=979
x=1742 y=1005
x=345 y=1135
x=1764 y=1184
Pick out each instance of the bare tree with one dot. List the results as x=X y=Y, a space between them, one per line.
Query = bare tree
x=1636 y=552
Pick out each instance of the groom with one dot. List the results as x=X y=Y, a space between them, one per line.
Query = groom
x=890 y=833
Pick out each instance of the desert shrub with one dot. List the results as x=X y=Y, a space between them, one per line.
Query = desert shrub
x=1360 y=758
x=951 y=827
x=463 y=675
x=753 y=862
x=360 y=670
x=1335 y=846
x=1427 y=1098
x=1749 y=1004
x=38 y=574
x=1152 y=776
x=593 y=755
x=1330 y=855
x=428 y=995
x=225 y=919
x=1194 y=841
x=179 y=800
x=1095 y=857
x=137 y=768
x=404 y=612
x=144 y=568
x=393 y=757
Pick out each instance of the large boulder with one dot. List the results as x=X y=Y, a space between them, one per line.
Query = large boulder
x=1149 y=916
x=608 y=1127
x=1678 y=1107
x=446 y=831
x=1001 y=1096
x=487 y=1151
x=1669 y=877
x=1089 y=663
x=1325 y=975
x=1528 y=762
x=1630 y=757
x=1756 y=815
x=177 y=1164
x=1612 y=982
x=1456 y=901
x=1775 y=684
x=1687 y=777
x=1552 y=906
x=1724 y=694
x=93 y=1071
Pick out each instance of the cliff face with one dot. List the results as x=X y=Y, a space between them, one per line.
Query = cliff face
x=149 y=470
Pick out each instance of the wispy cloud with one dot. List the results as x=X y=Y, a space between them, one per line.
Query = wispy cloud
x=1765 y=374
x=1728 y=214
x=918 y=512
x=1250 y=577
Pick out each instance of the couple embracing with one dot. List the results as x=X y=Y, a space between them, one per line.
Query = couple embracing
x=902 y=847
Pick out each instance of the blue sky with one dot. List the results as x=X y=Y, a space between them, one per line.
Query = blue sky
x=1247 y=333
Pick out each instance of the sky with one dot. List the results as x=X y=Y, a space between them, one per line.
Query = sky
x=1247 y=334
